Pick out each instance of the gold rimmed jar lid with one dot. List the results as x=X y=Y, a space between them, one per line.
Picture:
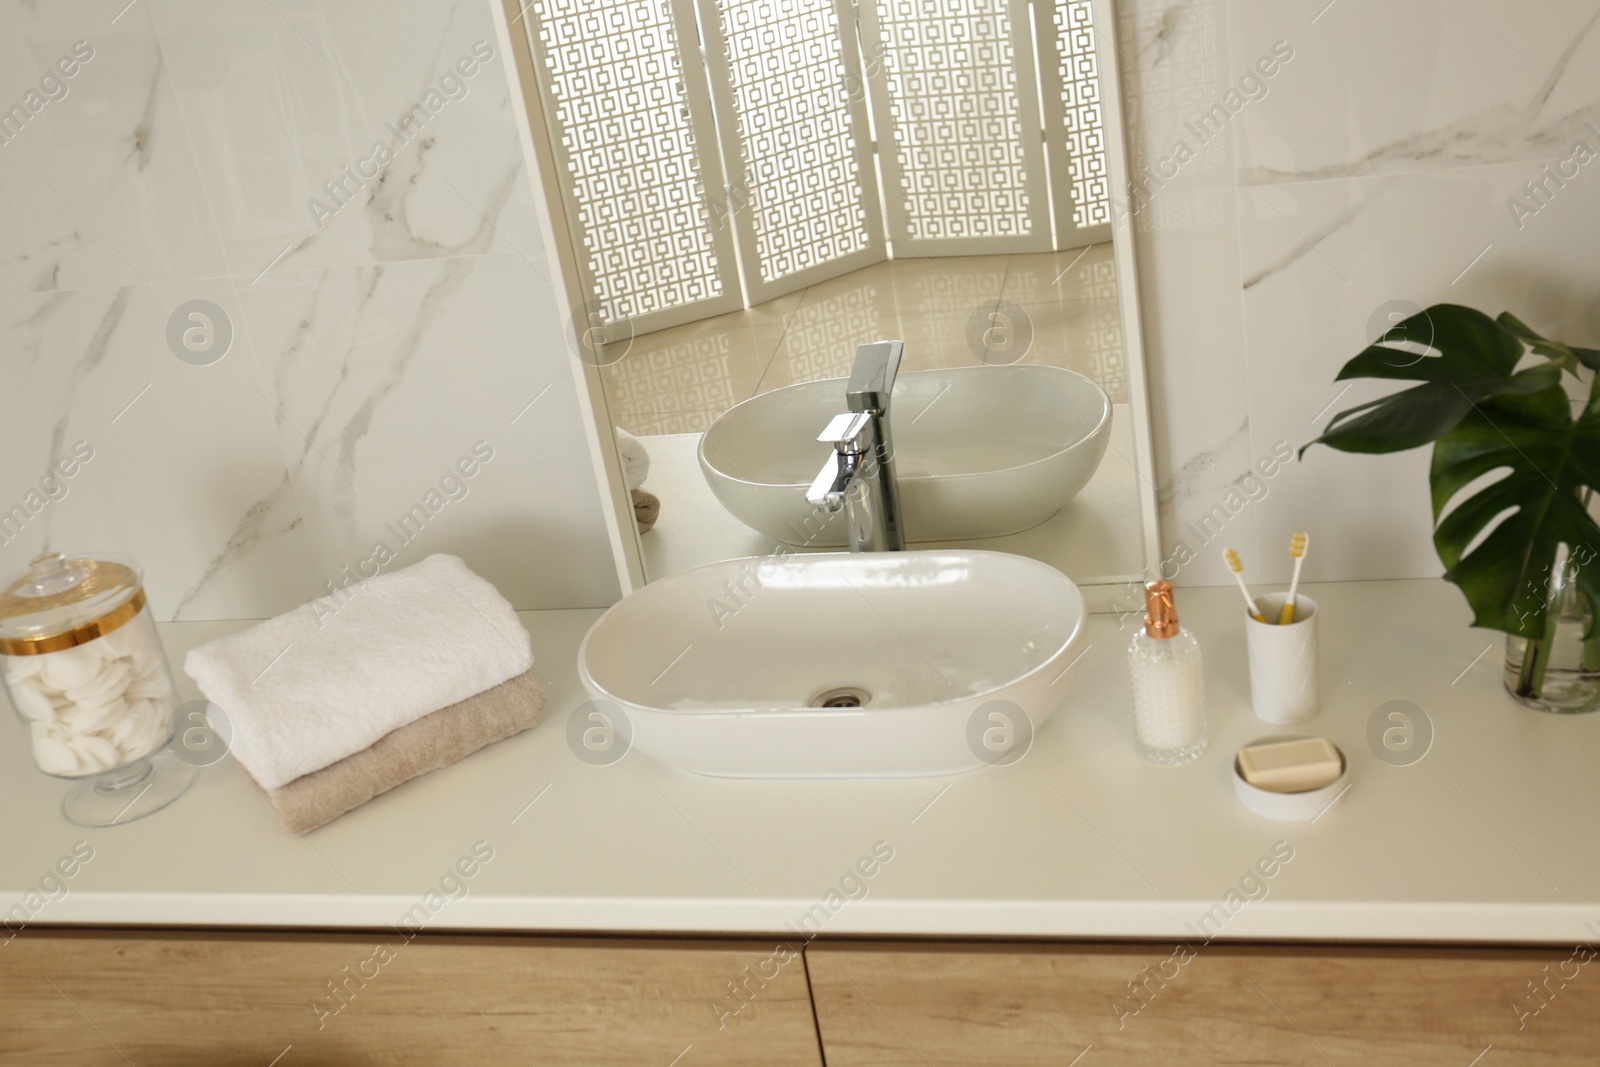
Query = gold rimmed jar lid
x=63 y=602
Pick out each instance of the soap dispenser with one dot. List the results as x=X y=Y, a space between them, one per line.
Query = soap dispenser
x=1169 y=714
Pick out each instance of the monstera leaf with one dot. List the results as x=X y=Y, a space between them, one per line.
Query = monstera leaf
x=1552 y=458
x=1477 y=359
x=1485 y=415
x=1569 y=356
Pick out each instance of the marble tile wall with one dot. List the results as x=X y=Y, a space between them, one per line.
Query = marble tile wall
x=1373 y=169
x=388 y=331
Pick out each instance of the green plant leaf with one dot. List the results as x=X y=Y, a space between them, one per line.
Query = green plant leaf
x=1550 y=457
x=1569 y=356
x=1483 y=416
x=1476 y=359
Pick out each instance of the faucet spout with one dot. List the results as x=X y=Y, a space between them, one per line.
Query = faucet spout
x=872 y=376
x=860 y=476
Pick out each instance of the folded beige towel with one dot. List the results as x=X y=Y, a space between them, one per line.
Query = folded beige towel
x=646 y=506
x=431 y=742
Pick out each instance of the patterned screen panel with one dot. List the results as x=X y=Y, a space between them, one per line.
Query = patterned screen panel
x=789 y=95
x=1103 y=335
x=1086 y=149
x=951 y=75
x=621 y=117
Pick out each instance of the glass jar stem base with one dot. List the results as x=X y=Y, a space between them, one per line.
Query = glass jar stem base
x=121 y=778
x=128 y=793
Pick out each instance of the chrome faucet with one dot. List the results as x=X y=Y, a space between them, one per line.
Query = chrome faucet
x=859 y=477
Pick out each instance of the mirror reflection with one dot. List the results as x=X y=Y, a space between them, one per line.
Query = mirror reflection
x=758 y=193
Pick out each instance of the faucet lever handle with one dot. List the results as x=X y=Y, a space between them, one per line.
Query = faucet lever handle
x=845 y=432
x=827 y=488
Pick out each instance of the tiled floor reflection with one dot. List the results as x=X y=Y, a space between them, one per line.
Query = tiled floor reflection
x=1055 y=308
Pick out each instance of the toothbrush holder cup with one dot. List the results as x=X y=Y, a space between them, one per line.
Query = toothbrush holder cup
x=1283 y=662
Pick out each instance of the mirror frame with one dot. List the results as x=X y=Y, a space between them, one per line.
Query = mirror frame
x=561 y=253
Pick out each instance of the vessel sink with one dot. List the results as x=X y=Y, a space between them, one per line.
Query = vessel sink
x=979 y=452
x=838 y=665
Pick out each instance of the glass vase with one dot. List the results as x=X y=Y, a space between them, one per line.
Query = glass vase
x=1558 y=672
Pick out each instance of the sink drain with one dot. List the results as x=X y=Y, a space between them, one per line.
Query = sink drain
x=845 y=696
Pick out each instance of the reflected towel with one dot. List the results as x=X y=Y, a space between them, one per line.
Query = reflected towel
x=646 y=506
x=433 y=741
x=635 y=460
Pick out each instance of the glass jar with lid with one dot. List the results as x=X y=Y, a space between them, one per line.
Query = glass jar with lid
x=85 y=671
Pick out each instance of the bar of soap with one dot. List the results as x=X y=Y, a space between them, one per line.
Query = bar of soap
x=1291 y=766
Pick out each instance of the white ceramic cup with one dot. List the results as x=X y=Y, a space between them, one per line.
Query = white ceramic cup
x=1283 y=662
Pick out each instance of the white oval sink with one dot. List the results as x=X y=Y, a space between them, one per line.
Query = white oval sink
x=979 y=452
x=726 y=683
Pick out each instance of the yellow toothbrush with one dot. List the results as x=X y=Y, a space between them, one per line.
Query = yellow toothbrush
x=1236 y=565
x=1297 y=552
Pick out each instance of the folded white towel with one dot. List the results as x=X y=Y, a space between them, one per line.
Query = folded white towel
x=326 y=680
x=635 y=460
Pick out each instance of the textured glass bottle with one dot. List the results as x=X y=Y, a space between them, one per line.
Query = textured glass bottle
x=1169 y=712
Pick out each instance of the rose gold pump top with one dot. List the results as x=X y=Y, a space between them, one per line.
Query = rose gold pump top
x=1161 y=614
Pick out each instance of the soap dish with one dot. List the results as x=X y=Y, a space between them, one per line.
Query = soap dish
x=1305 y=806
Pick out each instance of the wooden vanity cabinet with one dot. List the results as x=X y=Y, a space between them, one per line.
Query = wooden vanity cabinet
x=294 y=1000
x=905 y=1005
x=88 y=998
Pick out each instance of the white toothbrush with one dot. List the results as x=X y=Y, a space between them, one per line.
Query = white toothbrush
x=1297 y=550
x=1236 y=565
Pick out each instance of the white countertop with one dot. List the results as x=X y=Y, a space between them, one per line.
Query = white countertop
x=1489 y=837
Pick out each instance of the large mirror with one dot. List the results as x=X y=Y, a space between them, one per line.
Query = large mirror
x=744 y=196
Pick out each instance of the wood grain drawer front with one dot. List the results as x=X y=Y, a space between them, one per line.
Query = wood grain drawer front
x=90 y=999
x=893 y=1006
